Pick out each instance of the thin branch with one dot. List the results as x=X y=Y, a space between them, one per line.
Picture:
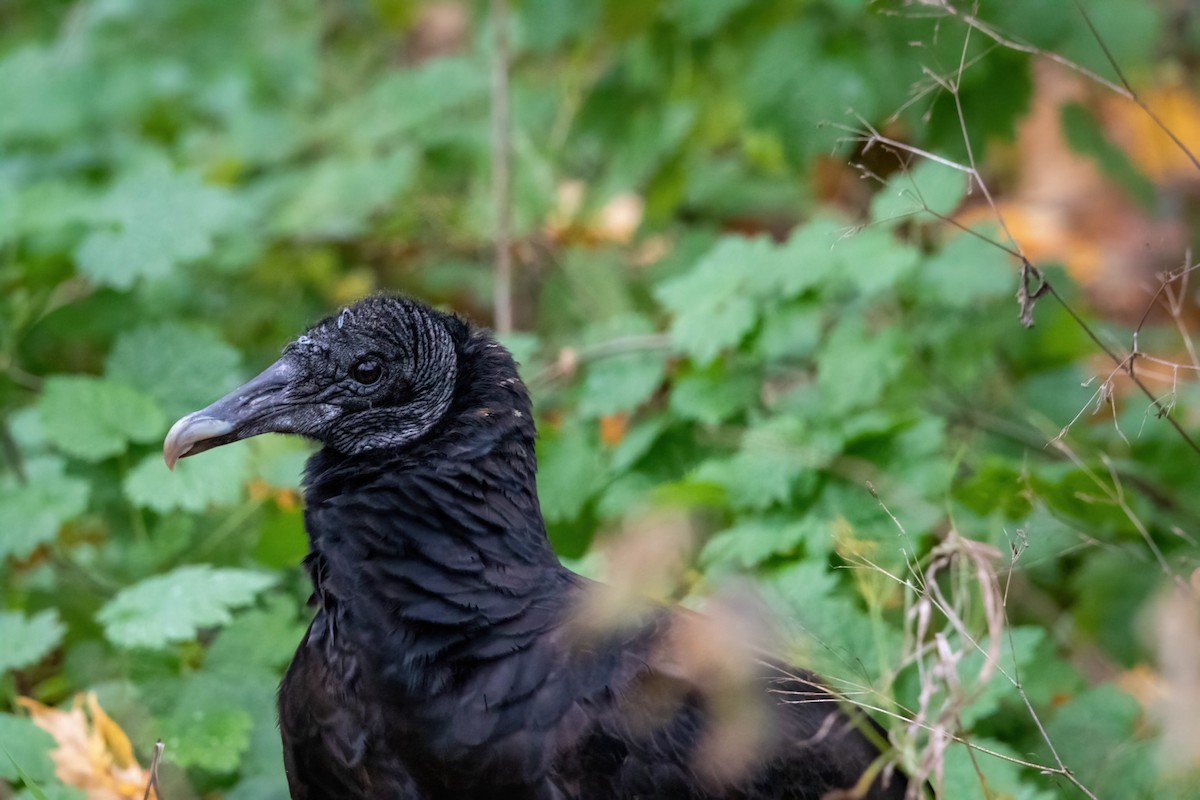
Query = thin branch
x=1115 y=494
x=1029 y=273
x=570 y=359
x=26 y=380
x=152 y=784
x=873 y=137
x=12 y=453
x=987 y=30
x=1160 y=410
x=1129 y=92
x=502 y=317
x=1173 y=302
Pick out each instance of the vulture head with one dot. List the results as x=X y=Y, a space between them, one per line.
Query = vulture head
x=380 y=374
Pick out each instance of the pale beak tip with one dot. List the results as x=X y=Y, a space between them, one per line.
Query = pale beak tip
x=188 y=431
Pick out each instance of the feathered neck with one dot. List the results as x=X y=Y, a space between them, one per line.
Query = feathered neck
x=437 y=553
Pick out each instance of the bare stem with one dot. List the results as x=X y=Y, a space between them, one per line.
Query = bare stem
x=501 y=177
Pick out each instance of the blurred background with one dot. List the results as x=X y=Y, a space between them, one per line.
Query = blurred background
x=765 y=261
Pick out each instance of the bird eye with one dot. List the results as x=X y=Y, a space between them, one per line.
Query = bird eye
x=367 y=371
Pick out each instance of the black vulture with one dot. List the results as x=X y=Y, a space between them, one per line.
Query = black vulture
x=443 y=660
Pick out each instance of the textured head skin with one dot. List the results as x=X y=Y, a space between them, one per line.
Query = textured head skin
x=381 y=374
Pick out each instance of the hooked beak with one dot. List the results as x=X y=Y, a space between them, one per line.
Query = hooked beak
x=244 y=412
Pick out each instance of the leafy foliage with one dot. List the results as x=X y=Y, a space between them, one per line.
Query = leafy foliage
x=27 y=639
x=92 y=419
x=721 y=319
x=25 y=750
x=172 y=607
x=32 y=512
x=177 y=366
x=159 y=220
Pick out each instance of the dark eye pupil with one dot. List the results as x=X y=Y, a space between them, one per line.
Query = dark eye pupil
x=366 y=371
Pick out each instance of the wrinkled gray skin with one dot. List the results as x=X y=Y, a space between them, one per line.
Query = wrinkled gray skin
x=312 y=391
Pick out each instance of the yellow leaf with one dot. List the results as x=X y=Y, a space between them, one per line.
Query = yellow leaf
x=1155 y=153
x=111 y=733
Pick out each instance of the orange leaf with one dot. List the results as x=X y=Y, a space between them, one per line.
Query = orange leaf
x=287 y=499
x=613 y=428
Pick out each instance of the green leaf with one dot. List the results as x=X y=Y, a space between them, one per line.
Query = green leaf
x=279 y=460
x=714 y=394
x=183 y=368
x=909 y=192
x=523 y=345
x=53 y=791
x=161 y=219
x=41 y=208
x=1104 y=616
x=623 y=381
x=32 y=513
x=833 y=82
x=1015 y=656
x=837 y=635
x=545 y=24
x=25 y=426
x=807 y=261
x=250 y=690
x=338 y=196
x=212 y=479
x=92 y=418
x=772 y=458
x=792 y=331
x=1128 y=30
x=755 y=540
x=966 y=272
x=1001 y=778
x=260 y=787
x=211 y=738
x=855 y=367
x=714 y=305
x=711 y=310
x=40 y=94
x=407 y=103
x=703 y=17
x=25 y=748
x=570 y=471
x=625 y=494
x=1095 y=735
x=873 y=261
x=638 y=441
x=172 y=607
x=259 y=638
x=995 y=485
x=28 y=639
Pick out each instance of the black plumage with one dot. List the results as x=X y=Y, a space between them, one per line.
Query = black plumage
x=444 y=659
